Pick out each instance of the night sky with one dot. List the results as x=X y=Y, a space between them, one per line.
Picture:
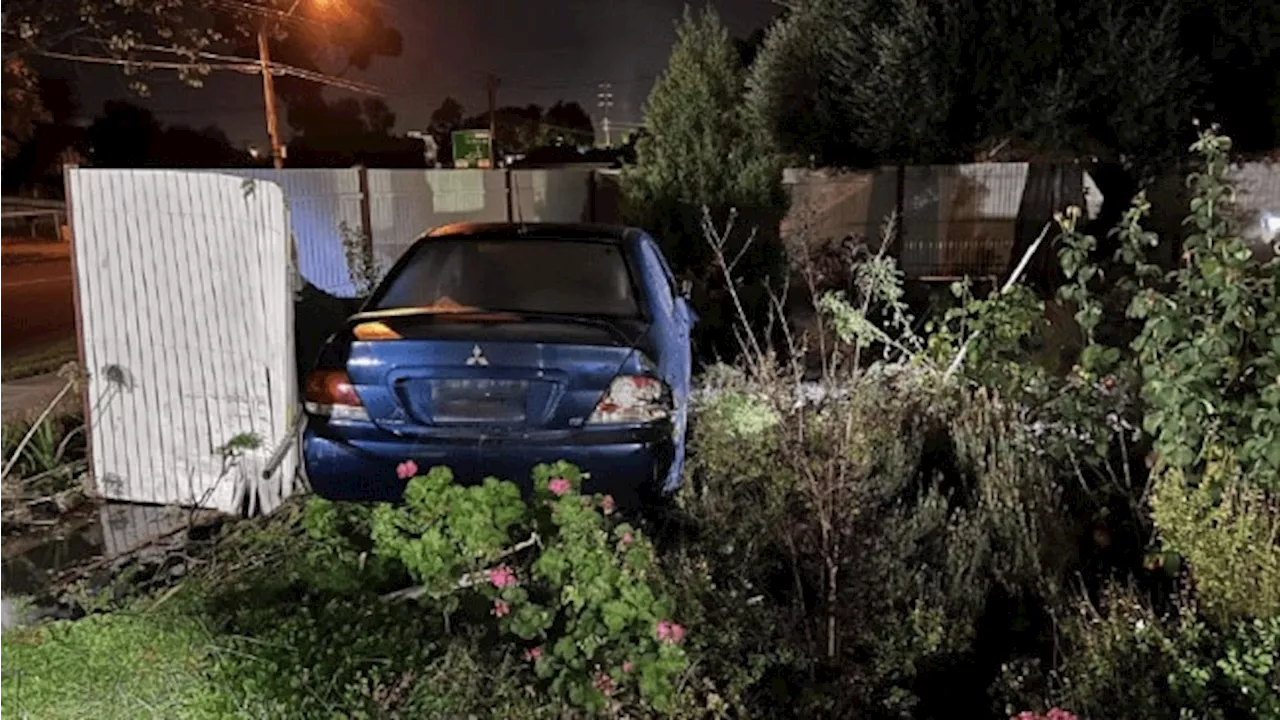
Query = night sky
x=543 y=51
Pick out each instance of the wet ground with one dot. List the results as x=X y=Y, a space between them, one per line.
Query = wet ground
x=86 y=549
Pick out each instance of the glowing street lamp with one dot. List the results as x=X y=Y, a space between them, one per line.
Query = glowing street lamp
x=268 y=83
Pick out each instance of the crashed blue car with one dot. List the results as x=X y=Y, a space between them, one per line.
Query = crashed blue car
x=491 y=348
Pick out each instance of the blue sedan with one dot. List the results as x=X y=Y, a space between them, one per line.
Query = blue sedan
x=491 y=348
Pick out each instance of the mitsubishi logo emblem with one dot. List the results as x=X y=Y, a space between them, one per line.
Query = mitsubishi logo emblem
x=477 y=357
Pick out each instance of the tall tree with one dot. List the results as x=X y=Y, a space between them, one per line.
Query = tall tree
x=567 y=123
x=378 y=118
x=444 y=120
x=703 y=150
x=850 y=82
x=123 y=136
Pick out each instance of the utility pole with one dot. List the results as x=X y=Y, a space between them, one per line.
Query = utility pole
x=604 y=101
x=269 y=93
x=491 y=84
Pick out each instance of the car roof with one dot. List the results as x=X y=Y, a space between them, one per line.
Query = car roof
x=534 y=230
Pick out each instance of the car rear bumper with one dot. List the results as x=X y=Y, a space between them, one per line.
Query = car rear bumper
x=630 y=464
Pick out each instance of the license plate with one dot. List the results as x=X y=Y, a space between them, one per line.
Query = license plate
x=479 y=400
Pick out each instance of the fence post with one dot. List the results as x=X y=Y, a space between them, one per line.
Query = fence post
x=366 y=212
x=506 y=181
x=78 y=304
x=591 y=196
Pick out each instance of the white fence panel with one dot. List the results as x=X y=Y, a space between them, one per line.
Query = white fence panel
x=404 y=204
x=551 y=196
x=321 y=202
x=187 y=326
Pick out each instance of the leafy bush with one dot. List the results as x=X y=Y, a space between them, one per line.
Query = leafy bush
x=887 y=497
x=583 y=595
x=1124 y=661
x=1226 y=529
x=1202 y=347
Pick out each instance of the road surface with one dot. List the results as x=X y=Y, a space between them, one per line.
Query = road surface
x=37 y=305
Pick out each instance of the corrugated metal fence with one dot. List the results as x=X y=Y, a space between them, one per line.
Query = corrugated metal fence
x=390 y=209
x=183 y=294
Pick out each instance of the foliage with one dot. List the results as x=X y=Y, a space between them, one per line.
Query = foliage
x=703 y=150
x=882 y=495
x=704 y=156
x=58 y=440
x=121 y=665
x=362 y=265
x=1210 y=348
x=854 y=83
x=23 y=106
x=1226 y=529
x=589 y=606
x=1123 y=660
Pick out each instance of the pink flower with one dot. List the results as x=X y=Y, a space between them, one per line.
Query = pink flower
x=501 y=609
x=502 y=577
x=533 y=654
x=607 y=504
x=627 y=667
x=626 y=539
x=559 y=486
x=407 y=469
x=604 y=683
x=670 y=633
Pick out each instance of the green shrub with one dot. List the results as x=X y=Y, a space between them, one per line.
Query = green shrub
x=1124 y=661
x=892 y=497
x=1227 y=530
x=582 y=596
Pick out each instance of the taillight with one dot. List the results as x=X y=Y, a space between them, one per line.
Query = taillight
x=329 y=393
x=374 y=331
x=633 y=399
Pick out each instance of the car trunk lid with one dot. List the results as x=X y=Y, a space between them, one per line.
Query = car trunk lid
x=488 y=372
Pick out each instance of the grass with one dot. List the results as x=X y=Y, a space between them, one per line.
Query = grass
x=41 y=362
x=117 y=665
x=263 y=626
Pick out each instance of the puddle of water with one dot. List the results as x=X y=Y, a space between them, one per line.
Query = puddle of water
x=113 y=531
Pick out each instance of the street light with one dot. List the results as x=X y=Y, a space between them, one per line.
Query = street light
x=269 y=85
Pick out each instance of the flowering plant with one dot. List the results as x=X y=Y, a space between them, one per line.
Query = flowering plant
x=581 y=594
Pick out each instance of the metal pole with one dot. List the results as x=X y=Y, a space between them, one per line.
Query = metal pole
x=269 y=94
x=492 y=83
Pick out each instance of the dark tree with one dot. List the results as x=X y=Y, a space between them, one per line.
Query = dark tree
x=378 y=118
x=185 y=146
x=36 y=163
x=568 y=124
x=853 y=82
x=126 y=33
x=444 y=120
x=123 y=136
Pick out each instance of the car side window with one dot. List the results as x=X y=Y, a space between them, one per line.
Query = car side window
x=653 y=258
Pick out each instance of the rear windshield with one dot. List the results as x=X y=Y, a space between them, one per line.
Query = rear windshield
x=534 y=276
